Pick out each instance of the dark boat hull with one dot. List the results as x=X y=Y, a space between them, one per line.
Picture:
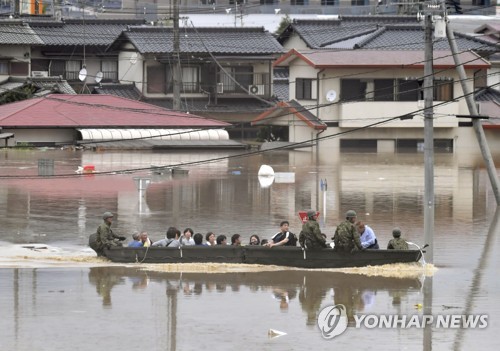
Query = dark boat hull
x=283 y=256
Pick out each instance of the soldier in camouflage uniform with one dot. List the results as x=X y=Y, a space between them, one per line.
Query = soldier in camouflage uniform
x=397 y=243
x=310 y=236
x=346 y=237
x=105 y=236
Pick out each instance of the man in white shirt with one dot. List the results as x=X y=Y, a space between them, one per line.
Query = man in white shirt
x=367 y=236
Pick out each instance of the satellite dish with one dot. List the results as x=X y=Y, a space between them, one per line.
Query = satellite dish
x=133 y=58
x=83 y=74
x=98 y=77
x=331 y=95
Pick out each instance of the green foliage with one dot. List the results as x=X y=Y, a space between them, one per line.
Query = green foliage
x=23 y=93
x=272 y=133
x=285 y=21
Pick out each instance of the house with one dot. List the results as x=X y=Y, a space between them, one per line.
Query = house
x=97 y=120
x=226 y=72
x=364 y=82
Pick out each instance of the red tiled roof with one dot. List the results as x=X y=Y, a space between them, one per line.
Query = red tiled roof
x=379 y=59
x=96 y=111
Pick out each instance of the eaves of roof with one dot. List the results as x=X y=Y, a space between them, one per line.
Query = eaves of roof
x=283 y=108
x=380 y=59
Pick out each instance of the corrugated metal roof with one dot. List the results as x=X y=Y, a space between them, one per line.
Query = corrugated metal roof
x=96 y=111
x=157 y=40
x=290 y=108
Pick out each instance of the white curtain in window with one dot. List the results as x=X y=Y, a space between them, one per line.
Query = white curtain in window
x=72 y=66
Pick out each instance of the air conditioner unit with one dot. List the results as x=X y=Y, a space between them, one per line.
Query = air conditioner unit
x=257 y=89
x=220 y=88
x=39 y=74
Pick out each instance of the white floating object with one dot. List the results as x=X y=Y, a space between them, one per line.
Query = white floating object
x=79 y=170
x=266 y=181
x=273 y=333
x=284 y=177
x=266 y=170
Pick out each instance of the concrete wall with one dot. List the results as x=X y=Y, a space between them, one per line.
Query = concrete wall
x=56 y=135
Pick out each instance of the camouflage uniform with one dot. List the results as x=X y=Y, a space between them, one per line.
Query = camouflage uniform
x=397 y=244
x=346 y=237
x=106 y=238
x=310 y=236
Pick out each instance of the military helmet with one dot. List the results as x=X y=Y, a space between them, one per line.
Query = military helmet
x=396 y=232
x=107 y=215
x=311 y=213
x=350 y=214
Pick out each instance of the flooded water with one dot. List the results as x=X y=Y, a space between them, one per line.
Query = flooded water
x=67 y=299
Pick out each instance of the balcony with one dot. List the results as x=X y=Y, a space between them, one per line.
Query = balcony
x=359 y=114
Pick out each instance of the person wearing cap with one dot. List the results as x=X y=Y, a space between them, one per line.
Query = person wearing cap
x=310 y=237
x=105 y=236
x=397 y=243
x=346 y=237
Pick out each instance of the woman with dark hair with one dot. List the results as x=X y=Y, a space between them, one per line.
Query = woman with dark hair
x=221 y=240
x=210 y=238
x=254 y=240
x=187 y=238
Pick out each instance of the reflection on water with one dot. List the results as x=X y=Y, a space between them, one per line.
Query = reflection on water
x=233 y=310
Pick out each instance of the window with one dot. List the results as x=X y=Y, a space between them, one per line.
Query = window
x=299 y=2
x=109 y=69
x=156 y=80
x=243 y=75
x=443 y=90
x=72 y=70
x=408 y=89
x=327 y=2
x=352 y=90
x=190 y=81
x=304 y=89
x=358 y=3
x=268 y=2
x=4 y=67
x=19 y=68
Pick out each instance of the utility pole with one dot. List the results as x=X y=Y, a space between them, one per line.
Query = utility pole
x=428 y=137
x=476 y=122
x=176 y=71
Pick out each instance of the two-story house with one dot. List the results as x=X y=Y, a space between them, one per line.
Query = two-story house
x=226 y=73
x=363 y=78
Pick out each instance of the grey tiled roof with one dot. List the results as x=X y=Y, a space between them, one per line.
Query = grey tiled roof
x=18 y=34
x=51 y=85
x=157 y=40
x=128 y=91
x=321 y=33
x=411 y=38
x=281 y=90
x=487 y=94
x=80 y=32
x=45 y=85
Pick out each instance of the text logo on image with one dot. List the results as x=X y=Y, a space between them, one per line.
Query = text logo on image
x=332 y=321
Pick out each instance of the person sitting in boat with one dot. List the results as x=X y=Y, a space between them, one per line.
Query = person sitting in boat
x=254 y=240
x=105 y=237
x=397 y=243
x=264 y=242
x=145 y=240
x=346 y=237
x=171 y=239
x=198 y=239
x=187 y=238
x=236 y=240
x=283 y=237
x=221 y=240
x=367 y=236
x=136 y=242
x=210 y=239
x=310 y=236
